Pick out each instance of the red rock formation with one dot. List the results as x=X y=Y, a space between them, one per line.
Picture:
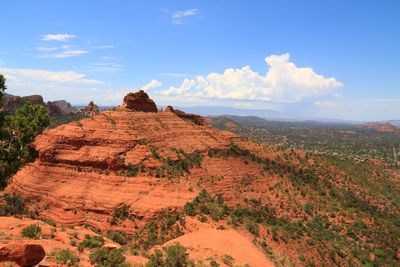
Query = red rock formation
x=79 y=164
x=196 y=119
x=22 y=254
x=139 y=101
x=90 y=110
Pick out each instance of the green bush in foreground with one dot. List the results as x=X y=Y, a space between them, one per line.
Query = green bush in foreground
x=66 y=257
x=14 y=205
x=101 y=257
x=228 y=260
x=91 y=242
x=173 y=256
x=31 y=231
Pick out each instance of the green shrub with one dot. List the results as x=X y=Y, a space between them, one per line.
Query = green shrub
x=117 y=236
x=156 y=259
x=14 y=205
x=173 y=256
x=177 y=168
x=119 y=214
x=253 y=228
x=66 y=257
x=309 y=208
x=176 y=256
x=214 y=263
x=101 y=257
x=228 y=260
x=31 y=231
x=133 y=170
x=165 y=226
x=204 y=203
x=91 y=242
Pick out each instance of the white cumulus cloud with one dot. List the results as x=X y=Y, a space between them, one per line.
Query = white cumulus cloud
x=57 y=37
x=151 y=85
x=283 y=82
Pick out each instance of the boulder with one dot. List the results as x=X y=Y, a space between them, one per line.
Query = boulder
x=139 y=101
x=22 y=254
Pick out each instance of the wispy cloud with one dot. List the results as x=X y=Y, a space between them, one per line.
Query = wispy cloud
x=65 y=54
x=105 y=67
x=53 y=48
x=103 y=46
x=174 y=74
x=43 y=48
x=178 y=16
x=184 y=13
x=62 y=51
x=60 y=37
x=20 y=76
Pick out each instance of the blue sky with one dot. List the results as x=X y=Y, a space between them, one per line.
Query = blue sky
x=322 y=59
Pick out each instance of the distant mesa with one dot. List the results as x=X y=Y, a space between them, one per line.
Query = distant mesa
x=139 y=101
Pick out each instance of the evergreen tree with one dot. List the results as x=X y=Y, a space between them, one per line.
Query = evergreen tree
x=16 y=133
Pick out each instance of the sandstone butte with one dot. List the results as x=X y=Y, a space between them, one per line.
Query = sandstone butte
x=78 y=176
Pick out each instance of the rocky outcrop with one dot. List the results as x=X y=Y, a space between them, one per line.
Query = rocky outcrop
x=139 y=101
x=90 y=110
x=196 y=119
x=22 y=254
